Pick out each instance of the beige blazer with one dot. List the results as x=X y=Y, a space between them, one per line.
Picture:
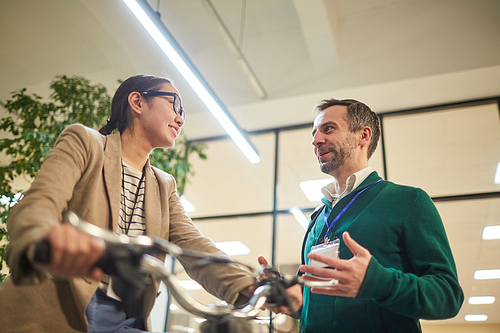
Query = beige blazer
x=83 y=174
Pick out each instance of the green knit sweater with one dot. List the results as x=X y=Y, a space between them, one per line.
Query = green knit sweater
x=411 y=275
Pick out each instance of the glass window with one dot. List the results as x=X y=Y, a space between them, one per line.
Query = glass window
x=227 y=183
x=296 y=163
x=253 y=232
x=464 y=221
x=289 y=236
x=445 y=152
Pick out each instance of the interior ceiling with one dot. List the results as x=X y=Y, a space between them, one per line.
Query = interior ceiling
x=391 y=54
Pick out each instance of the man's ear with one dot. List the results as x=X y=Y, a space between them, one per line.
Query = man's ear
x=366 y=135
x=136 y=103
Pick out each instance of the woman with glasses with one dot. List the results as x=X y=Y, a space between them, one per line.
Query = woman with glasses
x=106 y=179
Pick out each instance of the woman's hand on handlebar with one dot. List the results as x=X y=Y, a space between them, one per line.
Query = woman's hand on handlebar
x=294 y=295
x=73 y=253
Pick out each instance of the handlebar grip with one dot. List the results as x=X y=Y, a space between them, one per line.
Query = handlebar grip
x=113 y=256
x=107 y=262
x=42 y=252
x=42 y=255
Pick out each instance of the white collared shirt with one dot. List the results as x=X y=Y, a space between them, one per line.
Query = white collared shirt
x=331 y=190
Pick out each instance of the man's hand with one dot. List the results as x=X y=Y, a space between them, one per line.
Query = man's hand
x=350 y=273
x=73 y=253
x=294 y=295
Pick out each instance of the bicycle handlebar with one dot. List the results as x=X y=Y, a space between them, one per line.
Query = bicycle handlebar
x=130 y=259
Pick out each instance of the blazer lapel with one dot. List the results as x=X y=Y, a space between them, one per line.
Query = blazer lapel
x=112 y=177
x=152 y=203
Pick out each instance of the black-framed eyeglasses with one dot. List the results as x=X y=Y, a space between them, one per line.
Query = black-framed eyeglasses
x=177 y=100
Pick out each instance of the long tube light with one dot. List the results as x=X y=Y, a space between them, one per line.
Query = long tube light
x=213 y=106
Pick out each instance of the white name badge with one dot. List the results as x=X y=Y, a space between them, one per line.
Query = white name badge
x=330 y=249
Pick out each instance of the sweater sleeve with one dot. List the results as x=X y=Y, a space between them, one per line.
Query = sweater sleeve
x=429 y=289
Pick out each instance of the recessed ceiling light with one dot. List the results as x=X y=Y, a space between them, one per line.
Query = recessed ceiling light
x=481 y=300
x=312 y=188
x=487 y=274
x=173 y=307
x=491 y=232
x=300 y=217
x=476 y=317
x=190 y=285
x=497 y=175
x=234 y=248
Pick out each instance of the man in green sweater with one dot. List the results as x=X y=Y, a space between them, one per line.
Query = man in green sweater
x=395 y=264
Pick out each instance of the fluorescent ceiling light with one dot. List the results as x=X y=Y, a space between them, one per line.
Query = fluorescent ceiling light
x=476 y=317
x=234 y=248
x=481 y=300
x=491 y=232
x=487 y=274
x=190 y=285
x=312 y=188
x=300 y=217
x=188 y=207
x=199 y=88
x=497 y=175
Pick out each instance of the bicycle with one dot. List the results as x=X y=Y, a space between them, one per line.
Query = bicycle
x=130 y=263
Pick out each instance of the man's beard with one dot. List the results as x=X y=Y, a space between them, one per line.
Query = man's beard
x=339 y=156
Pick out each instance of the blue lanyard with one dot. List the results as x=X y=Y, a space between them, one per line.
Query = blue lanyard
x=343 y=211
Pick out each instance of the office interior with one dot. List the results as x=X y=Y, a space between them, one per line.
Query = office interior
x=430 y=69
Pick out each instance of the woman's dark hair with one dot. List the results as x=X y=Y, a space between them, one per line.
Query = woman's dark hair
x=120 y=117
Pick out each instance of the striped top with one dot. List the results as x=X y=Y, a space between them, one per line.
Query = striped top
x=132 y=221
